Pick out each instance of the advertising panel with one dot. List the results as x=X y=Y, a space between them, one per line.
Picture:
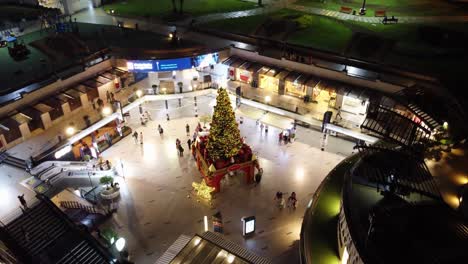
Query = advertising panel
x=159 y=65
x=206 y=60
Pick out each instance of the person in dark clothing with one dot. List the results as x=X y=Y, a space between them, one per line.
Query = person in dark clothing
x=187 y=129
x=23 y=201
x=189 y=144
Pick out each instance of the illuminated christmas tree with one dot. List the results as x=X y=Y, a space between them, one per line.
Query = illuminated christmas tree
x=224 y=140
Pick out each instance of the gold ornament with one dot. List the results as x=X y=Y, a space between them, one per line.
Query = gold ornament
x=203 y=191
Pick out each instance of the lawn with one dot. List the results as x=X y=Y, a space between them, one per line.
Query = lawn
x=393 y=7
x=321 y=33
x=310 y=30
x=242 y=25
x=397 y=45
x=158 y=8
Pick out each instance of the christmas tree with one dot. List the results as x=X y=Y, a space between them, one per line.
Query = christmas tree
x=224 y=140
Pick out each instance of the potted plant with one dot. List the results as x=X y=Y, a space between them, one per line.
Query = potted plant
x=107 y=180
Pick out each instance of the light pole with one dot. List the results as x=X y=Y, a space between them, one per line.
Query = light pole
x=362 y=11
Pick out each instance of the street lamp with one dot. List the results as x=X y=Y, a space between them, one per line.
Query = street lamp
x=120 y=244
x=106 y=110
x=362 y=11
x=139 y=93
x=70 y=130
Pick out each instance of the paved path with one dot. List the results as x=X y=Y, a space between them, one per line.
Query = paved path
x=373 y=20
x=326 y=12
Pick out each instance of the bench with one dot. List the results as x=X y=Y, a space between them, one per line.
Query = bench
x=380 y=13
x=345 y=9
x=391 y=20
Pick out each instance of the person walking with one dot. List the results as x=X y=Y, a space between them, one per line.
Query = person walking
x=181 y=150
x=292 y=201
x=187 y=129
x=279 y=199
x=23 y=201
x=194 y=137
x=177 y=143
x=261 y=127
x=266 y=128
x=135 y=137
x=141 y=138
x=338 y=114
x=160 y=130
x=189 y=144
x=108 y=96
x=280 y=137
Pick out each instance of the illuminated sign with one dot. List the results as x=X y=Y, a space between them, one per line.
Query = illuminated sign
x=139 y=66
x=206 y=60
x=159 y=65
x=248 y=225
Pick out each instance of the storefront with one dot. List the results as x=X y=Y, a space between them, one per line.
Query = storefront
x=293 y=86
x=324 y=93
x=281 y=76
x=311 y=85
x=241 y=75
x=268 y=79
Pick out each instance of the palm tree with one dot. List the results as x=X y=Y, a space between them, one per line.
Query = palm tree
x=174 y=8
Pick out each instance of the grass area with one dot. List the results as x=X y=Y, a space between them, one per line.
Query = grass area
x=321 y=33
x=242 y=25
x=320 y=224
x=399 y=45
x=159 y=8
x=393 y=7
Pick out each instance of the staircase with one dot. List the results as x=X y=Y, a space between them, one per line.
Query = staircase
x=37 y=228
x=408 y=98
x=82 y=253
x=13 y=161
x=390 y=125
x=76 y=205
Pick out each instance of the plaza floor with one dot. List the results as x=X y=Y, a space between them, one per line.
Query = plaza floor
x=157 y=203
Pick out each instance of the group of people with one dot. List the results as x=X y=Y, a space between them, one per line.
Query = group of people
x=281 y=203
x=138 y=138
x=287 y=136
x=262 y=126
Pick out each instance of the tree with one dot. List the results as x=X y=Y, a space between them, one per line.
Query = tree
x=174 y=8
x=107 y=180
x=181 y=9
x=224 y=140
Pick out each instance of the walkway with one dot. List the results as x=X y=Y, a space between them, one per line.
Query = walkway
x=289 y=4
x=377 y=20
x=270 y=8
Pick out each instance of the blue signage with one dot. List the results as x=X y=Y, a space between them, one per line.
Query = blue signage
x=159 y=65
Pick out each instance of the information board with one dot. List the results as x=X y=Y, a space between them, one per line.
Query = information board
x=159 y=65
